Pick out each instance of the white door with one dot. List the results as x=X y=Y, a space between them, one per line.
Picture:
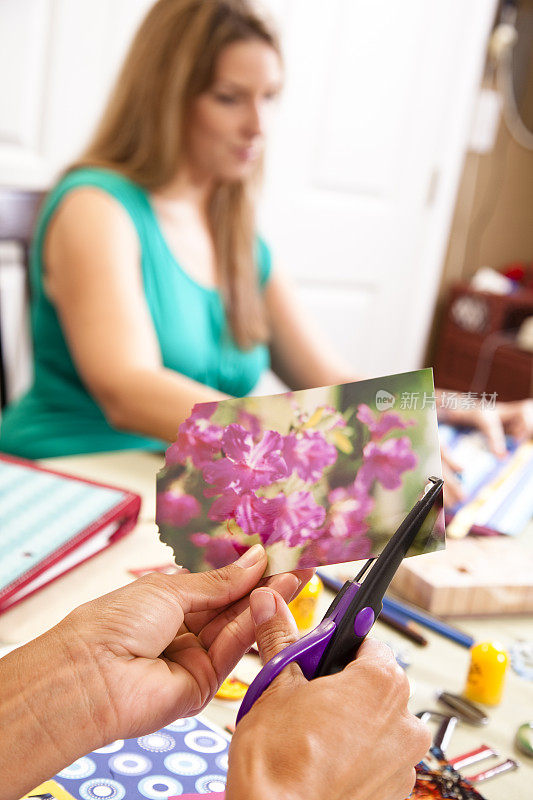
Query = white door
x=366 y=160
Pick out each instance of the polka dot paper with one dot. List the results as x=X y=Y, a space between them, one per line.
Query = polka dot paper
x=189 y=756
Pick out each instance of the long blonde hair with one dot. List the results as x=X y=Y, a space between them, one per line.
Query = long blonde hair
x=142 y=132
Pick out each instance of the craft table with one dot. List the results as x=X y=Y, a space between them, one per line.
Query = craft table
x=440 y=665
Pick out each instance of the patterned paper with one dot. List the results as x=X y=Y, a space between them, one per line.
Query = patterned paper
x=319 y=476
x=188 y=756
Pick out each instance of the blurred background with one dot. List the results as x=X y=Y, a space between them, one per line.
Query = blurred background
x=401 y=162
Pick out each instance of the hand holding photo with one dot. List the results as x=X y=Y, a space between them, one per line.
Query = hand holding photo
x=318 y=476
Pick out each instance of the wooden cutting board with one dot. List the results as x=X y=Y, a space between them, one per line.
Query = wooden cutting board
x=473 y=576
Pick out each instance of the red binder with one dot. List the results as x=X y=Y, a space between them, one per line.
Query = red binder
x=50 y=522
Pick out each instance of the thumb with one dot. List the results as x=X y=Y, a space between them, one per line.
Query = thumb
x=202 y=591
x=274 y=625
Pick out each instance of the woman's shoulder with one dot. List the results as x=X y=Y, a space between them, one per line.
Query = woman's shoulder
x=110 y=181
x=75 y=192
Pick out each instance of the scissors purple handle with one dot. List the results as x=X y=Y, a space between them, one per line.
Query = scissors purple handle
x=334 y=642
x=306 y=652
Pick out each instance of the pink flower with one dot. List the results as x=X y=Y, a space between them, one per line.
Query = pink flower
x=203 y=410
x=293 y=519
x=334 y=551
x=253 y=514
x=219 y=551
x=308 y=454
x=385 y=462
x=197 y=440
x=246 y=465
x=348 y=510
x=251 y=423
x=385 y=423
x=176 y=509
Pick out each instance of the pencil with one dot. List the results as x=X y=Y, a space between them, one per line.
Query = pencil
x=427 y=620
x=398 y=623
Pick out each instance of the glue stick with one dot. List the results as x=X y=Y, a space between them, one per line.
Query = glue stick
x=304 y=606
x=484 y=683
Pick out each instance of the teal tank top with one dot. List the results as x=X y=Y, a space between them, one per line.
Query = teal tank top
x=57 y=416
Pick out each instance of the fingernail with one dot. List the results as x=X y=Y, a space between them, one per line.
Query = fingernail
x=251 y=557
x=287 y=585
x=262 y=606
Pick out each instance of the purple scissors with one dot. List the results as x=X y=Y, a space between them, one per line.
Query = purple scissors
x=334 y=642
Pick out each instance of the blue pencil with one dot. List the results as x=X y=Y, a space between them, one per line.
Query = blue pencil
x=394 y=606
x=430 y=622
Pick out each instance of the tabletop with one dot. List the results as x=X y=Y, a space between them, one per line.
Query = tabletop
x=440 y=665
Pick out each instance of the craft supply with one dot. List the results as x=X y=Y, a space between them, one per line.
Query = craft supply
x=524 y=738
x=408 y=612
x=486 y=675
x=400 y=623
x=498 y=491
x=521 y=654
x=188 y=756
x=49 y=790
x=445 y=729
x=428 y=621
x=479 y=575
x=437 y=779
x=301 y=472
x=304 y=606
x=492 y=772
x=212 y=795
x=232 y=689
x=334 y=642
x=463 y=708
x=472 y=757
x=50 y=522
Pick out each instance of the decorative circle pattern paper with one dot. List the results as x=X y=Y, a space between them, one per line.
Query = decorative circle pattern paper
x=211 y=783
x=114 y=747
x=130 y=764
x=205 y=742
x=82 y=768
x=188 y=756
x=159 y=787
x=102 y=789
x=185 y=764
x=183 y=725
x=156 y=742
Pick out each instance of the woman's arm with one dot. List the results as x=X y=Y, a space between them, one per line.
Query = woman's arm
x=93 y=277
x=50 y=713
x=168 y=641
x=300 y=355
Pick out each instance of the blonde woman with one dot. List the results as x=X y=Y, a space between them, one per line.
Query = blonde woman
x=152 y=289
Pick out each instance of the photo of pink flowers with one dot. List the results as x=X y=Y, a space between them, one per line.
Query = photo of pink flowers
x=318 y=476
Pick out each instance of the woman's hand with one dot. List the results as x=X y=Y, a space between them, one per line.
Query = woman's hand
x=163 y=645
x=124 y=665
x=346 y=736
x=513 y=419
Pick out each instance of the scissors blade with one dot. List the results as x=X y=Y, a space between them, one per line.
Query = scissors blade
x=366 y=599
